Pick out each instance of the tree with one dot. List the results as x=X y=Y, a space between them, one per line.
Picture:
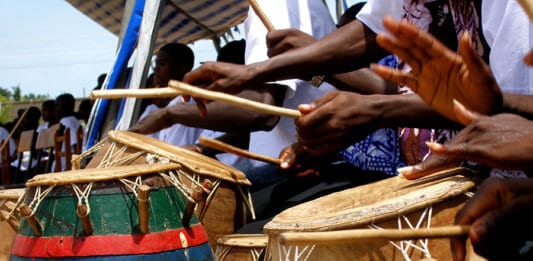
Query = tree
x=17 y=93
x=5 y=92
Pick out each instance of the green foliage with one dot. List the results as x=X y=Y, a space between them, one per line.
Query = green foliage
x=5 y=108
x=5 y=93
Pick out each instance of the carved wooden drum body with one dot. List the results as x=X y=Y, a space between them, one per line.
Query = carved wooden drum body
x=394 y=203
x=221 y=191
x=9 y=220
x=120 y=213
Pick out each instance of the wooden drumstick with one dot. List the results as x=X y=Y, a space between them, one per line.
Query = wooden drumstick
x=262 y=16
x=134 y=93
x=363 y=235
x=527 y=5
x=188 y=89
x=219 y=145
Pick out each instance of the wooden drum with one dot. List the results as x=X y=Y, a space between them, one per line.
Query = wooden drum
x=9 y=220
x=221 y=191
x=394 y=203
x=241 y=247
x=120 y=213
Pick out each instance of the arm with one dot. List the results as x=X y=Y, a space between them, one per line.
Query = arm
x=363 y=80
x=220 y=117
x=518 y=104
x=339 y=119
x=349 y=48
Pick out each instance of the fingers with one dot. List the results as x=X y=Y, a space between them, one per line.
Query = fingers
x=395 y=76
x=458 y=246
x=432 y=164
x=463 y=115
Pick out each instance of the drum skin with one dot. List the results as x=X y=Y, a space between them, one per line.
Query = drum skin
x=116 y=233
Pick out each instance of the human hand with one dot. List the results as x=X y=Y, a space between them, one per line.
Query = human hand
x=295 y=160
x=500 y=141
x=500 y=215
x=218 y=76
x=438 y=74
x=280 y=41
x=336 y=121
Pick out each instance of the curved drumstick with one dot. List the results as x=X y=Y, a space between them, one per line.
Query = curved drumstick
x=363 y=235
x=134 y=93
x=187 y=89
x=262 y=16
x=219 y=145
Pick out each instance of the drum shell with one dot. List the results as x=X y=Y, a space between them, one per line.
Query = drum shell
x=380 y=204
x=240 y=247
x=116 y=235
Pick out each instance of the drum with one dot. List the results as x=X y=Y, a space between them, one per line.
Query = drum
x=120 y=213
x=9 y=220
x=393 y=203
x=222 y=208
x=241 y=247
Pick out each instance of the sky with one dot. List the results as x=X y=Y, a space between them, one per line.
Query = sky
x=49 y=48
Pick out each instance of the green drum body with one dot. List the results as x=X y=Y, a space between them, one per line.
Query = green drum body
x=115 y=232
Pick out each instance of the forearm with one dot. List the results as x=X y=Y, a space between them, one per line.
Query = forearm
x=349 y=48
x=518 y=104
x=410 y=111
x=362 y=81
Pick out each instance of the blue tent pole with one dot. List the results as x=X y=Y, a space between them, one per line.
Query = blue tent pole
x=124 y=53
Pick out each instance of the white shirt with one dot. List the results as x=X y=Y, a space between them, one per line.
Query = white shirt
x=178 y=134
x=311 y=17
x=3 y=135
x=73 y=124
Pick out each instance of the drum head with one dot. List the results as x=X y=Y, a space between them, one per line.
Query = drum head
x=196 y=162
x=371 y=203
x=98 y=175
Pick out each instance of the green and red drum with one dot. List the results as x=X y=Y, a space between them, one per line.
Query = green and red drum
x=120 y=213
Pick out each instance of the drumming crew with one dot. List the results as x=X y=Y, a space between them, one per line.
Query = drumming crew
x=339 y=119
x=48 y=114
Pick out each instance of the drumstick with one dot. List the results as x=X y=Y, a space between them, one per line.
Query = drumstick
x=231 y=99
x=527 y=5
x=262 y=16
x=219 y=145
x=134 y=93
x=363 y=235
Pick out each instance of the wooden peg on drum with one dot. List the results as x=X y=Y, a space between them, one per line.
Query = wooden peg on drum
x=83 y=213
x=26 y=212
x=143 y=196
x=198 y=195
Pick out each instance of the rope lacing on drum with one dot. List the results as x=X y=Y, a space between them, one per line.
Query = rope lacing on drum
x=132 y=185
x=117 y=157
x=174 y=180
x=38 y=198
x=83 y=196
x=17 y=205
x=298 y=255
x=405 y=245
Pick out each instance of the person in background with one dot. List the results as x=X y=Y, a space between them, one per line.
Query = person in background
x=65 y=104
x=48 y=114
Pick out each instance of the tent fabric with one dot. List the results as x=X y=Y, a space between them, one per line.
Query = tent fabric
x=183 y=21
